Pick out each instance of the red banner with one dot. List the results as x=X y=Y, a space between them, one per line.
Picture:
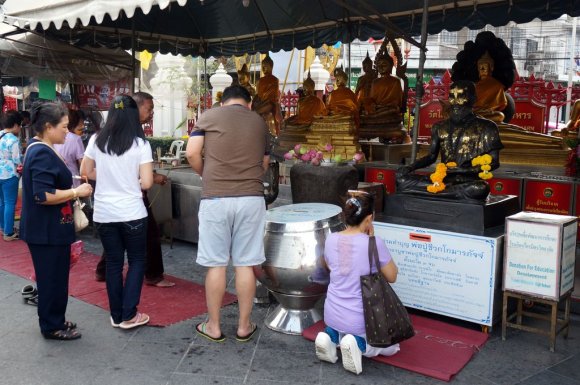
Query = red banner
x=505 y=186
x=382 y=175
x=530 y=116
x=548 y=197
x=429 y=114
x=100 y=97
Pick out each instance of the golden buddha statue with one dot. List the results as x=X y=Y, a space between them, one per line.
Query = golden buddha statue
x=491 y=99
x=267 y=99
x=309 y=105
x=339 y=127
x=244 y=80
x=382 y=116
x=342 y=101
x=364 y=83
x=574 y=122
x=386 y=91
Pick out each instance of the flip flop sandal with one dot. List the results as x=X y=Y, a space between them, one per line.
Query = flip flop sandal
x=29 y=291
x=31 y=300
x=248 y=337
x=200 y=329
x=62 y=335
x=139 y=319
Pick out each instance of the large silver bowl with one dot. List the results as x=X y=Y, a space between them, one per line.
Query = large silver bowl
x=294 y=245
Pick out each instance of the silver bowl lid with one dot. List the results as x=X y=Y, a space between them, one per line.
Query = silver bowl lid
x=302 y=217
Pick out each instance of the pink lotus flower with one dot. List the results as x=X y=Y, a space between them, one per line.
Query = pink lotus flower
x=297 y=148
x=315 y=162
x=328 y=147
x=305 y=158
x=320 y=155
x=359 y=156
x=288 y=156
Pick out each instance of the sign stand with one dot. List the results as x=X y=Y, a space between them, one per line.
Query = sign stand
x=557 y=324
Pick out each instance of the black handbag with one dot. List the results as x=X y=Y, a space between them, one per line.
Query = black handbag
x=386 y=319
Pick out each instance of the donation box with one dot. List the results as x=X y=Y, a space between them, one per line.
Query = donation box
x=540 y=254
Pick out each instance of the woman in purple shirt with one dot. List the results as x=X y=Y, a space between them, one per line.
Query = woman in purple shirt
x=346 y=256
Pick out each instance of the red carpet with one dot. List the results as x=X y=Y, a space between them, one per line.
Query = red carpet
x=165 y=306
x=438 y=350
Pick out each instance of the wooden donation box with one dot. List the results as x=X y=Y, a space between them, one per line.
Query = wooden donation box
x=454 y=274
x=539 y=266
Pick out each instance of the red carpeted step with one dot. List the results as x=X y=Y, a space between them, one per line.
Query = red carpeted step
x=438 y=349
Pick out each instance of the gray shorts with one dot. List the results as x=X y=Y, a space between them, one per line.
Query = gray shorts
x=231 y=227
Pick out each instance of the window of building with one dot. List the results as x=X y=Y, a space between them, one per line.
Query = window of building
x=448 y=37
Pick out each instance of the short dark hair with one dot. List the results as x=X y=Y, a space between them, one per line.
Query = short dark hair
x=122 y=127
x=25 y=114
x=46 y=112
x=236 y=92
x=141 y=96
x=11 y=118
x=74 y=118
x=360 y=205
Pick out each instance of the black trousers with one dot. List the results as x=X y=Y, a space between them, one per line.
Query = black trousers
x=154 y=260
x=51 y=266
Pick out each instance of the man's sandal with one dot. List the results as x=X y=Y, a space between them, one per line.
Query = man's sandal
x=63 y=335
x=70 y=325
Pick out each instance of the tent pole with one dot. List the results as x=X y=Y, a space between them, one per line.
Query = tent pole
x=419 y=86
x=205 y=80
x=133 y=74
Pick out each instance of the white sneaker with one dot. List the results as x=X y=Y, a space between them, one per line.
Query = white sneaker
x=325 y=348
x=351 y=354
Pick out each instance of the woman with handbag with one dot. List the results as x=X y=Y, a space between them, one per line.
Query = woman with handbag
x=125 y=168
x=46 y=223
x=346 y=255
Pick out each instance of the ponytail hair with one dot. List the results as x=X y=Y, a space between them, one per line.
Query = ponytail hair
x=360 y=205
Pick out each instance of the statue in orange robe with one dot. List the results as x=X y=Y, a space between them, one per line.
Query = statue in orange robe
x=365 y=82
x=574 y=122
x=267 y=100
x=244 y=80
x=309 y=106
x=386 y=96
x=342 y=101
x=491 y=99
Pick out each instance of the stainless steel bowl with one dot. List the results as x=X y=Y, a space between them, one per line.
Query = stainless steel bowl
x=294 y=246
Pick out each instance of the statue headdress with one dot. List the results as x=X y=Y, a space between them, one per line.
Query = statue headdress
x=268 y=60
x=244 y=70
x=309 y=82
x=367 y=59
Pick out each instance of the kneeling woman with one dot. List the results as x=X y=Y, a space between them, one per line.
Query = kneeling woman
x=347 y=257
x=46 y=224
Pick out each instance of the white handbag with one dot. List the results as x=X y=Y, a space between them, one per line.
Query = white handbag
x=80 y=219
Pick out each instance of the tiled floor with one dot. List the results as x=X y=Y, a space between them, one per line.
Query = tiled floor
x=176 y=355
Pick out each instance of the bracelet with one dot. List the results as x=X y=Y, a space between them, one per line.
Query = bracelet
x=74 y=193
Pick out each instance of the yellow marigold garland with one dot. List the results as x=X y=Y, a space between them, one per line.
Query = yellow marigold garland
x=437 y=179
x=484 y=161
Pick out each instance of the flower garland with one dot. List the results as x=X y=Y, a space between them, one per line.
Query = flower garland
x=438 y=176
x=484 y=161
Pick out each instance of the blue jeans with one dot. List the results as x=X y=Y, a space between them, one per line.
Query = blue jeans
x=118 y=237
x=8 y=196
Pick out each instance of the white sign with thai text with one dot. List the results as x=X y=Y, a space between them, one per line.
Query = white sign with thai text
x=443 y=272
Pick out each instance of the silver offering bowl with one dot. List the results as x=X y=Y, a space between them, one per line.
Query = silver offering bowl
x=294 y=246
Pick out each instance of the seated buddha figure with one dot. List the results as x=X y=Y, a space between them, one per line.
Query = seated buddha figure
x=574 y=122
x=341 y=103
x=491 y=99
x=267 y=99
x=458 y=140
x=309 y=106
x=386 y=97
x=244 y=80
x=364 y=83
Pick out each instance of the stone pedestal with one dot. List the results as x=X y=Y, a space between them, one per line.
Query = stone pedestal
x=448 y=215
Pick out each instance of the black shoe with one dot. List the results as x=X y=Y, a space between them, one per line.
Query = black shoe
x=29 y=291
x=63 y=335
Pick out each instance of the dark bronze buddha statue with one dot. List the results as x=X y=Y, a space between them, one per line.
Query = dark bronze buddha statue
x=459 y=140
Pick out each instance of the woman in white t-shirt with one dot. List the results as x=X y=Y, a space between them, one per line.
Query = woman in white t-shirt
x=120 y=160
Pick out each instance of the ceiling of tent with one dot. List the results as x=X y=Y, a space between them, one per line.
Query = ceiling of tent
x=227 y=27
x=30 y=55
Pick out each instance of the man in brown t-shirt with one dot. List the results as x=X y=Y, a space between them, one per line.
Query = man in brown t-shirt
x=234 y=143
